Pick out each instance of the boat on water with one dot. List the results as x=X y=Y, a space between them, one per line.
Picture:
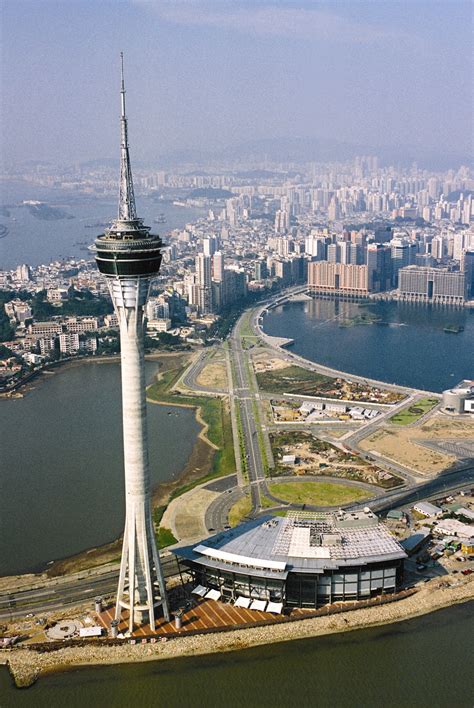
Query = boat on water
x=453 y=329
x=160 y=219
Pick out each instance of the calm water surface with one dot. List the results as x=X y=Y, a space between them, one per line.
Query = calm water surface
x=61 y=463
x=35 y=241
x=409 y=348
x=422 y=663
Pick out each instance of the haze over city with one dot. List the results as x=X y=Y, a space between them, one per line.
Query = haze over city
x=321 y=79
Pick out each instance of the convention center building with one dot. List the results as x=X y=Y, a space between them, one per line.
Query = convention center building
x=302 y=560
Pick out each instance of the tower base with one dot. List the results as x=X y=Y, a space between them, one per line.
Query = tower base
x=141 y=588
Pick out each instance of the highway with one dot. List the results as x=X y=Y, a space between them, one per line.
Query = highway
x=58 y=593
x=244 y=398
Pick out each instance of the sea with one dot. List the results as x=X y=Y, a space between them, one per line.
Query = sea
x=405 y=343
x=36 y=241
x=420 y=663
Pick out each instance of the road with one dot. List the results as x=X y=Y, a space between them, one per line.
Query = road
x=57 y=594
x=244 y=398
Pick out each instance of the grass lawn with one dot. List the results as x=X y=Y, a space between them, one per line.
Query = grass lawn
x=266 y=502
x=164 y=538
x=414 y=412
x=245 y=328
x=317 y=493
x=240 y=510
x=293 y=379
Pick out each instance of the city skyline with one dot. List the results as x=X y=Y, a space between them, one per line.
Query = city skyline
x=220 y=75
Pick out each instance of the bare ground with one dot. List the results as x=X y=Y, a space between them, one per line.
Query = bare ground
x=401 y=443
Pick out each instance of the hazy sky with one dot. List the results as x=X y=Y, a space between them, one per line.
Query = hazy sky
x=204 y=73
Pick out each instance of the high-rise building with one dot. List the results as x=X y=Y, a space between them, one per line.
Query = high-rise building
x=438 y=248
x=379 y=265
x=403 y=254
x=23 y=273
x=129 y=256
x=69 y=343
x=204 y=283
x=439 y=285
x=218 y=267
x=338 y=277
x=209 y=245
x=261 y=270
x=348 y=253
x=467 y=266
x=334 y=253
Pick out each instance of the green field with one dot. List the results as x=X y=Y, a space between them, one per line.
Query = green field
x=245 y=328
x=164 y=538
x=240 y=510
x=294 y=379
x=414 y=412
x=317 y=493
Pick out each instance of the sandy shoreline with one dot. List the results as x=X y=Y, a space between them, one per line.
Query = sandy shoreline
x=27 y=665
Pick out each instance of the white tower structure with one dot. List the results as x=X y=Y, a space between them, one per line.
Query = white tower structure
x=129 y=257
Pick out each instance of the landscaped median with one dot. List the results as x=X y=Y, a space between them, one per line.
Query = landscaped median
x=413 y=412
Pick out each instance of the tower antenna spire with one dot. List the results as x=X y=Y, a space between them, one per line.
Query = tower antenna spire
x=126 y=210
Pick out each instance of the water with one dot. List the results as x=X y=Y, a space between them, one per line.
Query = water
x=422 y=662
x=33 y=241
x=61 y=463
x=411 y=349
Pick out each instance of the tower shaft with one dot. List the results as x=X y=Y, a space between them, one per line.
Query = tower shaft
x=129 y=257
x=141 y=582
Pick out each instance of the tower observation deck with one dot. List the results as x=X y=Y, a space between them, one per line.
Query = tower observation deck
x=129 y=256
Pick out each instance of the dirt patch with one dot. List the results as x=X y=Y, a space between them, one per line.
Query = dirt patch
x=317 y=457
x=213 y=375
x=265 y=360
x=401 y=444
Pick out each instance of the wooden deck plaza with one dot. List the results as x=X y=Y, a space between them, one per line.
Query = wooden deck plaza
x=205 y=615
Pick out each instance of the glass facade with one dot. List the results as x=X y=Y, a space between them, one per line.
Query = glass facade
x=303 y=589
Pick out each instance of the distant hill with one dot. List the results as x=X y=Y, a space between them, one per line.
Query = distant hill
x=308 y=149
x=210 y=193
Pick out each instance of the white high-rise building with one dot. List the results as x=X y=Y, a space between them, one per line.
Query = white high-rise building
x=209 y=245
x=204 y=283
x=218 y=267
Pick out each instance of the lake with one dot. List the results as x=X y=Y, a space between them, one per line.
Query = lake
x=422 y=662
x=61 y=463
x=408 y=347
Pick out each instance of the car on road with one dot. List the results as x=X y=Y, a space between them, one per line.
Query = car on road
x=467 y=571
